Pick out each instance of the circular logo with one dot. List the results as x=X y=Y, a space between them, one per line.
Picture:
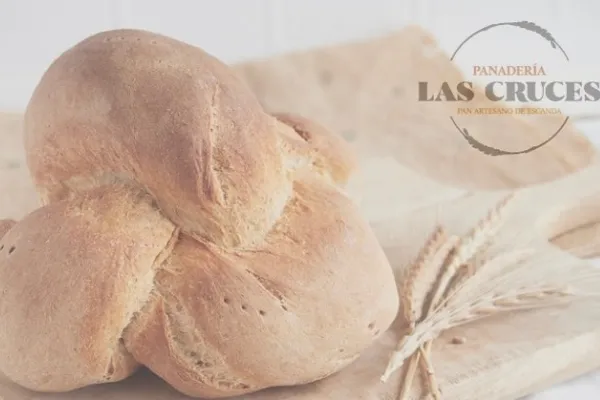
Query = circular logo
x=517 y=69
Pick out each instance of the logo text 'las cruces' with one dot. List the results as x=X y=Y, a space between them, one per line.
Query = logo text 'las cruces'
x=532 y=83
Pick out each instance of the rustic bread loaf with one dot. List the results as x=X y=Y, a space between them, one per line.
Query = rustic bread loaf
x=184 y=229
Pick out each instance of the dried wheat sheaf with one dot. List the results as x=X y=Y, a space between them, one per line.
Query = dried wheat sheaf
x=454 y=281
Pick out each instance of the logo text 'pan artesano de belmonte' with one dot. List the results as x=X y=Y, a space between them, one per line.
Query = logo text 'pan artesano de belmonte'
x=506 y=85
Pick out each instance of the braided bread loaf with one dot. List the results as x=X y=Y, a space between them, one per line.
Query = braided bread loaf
x=183 y=229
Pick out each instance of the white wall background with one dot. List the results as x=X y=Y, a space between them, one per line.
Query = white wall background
x=34 y=32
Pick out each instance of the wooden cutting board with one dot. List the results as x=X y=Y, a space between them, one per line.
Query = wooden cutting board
x=416 y=172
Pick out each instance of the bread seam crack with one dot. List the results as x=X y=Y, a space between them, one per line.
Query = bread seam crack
x=172 y=324
x=268 y=287
x=158 y=261
x=210 y=184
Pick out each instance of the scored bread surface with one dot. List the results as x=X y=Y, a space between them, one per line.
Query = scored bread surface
x=184 y=229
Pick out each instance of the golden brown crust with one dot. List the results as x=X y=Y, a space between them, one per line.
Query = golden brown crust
x=146 y=108
x=290 y=311
x=5 y=226
x=71 y=276
x=184 y=229
x=332 y=155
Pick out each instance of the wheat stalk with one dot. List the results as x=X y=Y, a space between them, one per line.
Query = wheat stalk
x=470 y=286
x=432 y=384
x=519 y=289
x=416 y=288
x=463 y=257
x=454 y=313
x=411 y=369
x=416 y=283
x=432 y=327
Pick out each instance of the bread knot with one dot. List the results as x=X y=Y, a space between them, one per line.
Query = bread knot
x=183 y=228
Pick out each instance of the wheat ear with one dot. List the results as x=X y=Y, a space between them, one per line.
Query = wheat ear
x=432 y=275
x=419 y=276
x=468 y=269
x=471 y=244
